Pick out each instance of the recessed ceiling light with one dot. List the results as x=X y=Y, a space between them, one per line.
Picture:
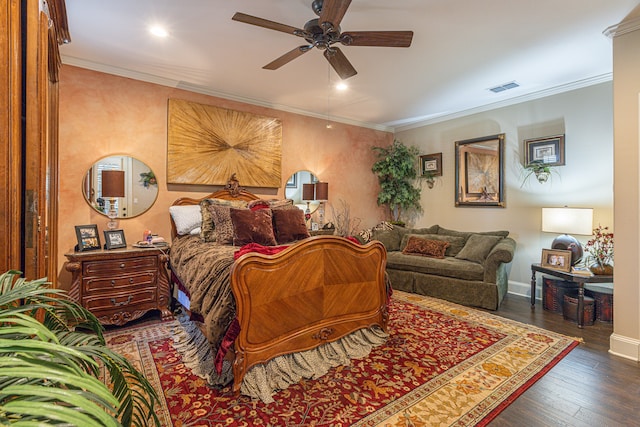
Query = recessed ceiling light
x=158 y=31
x=341 y=86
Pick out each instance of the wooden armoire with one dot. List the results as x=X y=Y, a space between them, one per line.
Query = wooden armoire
x=31 y=32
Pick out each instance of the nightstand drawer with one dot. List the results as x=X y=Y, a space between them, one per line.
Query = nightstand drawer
x=108 y=284
x=111 y=267
x=122 y=301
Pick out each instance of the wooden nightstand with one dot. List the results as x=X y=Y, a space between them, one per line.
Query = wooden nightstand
x=120 y=285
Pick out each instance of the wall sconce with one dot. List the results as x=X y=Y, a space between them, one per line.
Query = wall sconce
x=112 y=188
x=568 y=221
x=322 y=195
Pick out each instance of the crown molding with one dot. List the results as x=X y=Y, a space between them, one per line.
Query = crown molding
x=623 y=27
x=511 y=101
x=150 y=78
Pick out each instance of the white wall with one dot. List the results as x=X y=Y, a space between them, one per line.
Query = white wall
x=584 y=115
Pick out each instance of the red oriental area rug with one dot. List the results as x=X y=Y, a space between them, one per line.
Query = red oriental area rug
x=442 y=365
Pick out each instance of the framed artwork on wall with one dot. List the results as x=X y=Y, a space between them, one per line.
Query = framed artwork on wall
x=431 y=165
x=479 y=171
x=548 y=151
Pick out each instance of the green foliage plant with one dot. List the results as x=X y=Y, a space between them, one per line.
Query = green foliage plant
x=52 y=351
x=395 y=167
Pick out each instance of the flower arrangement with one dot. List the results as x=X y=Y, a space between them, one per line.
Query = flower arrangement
x=600 y=248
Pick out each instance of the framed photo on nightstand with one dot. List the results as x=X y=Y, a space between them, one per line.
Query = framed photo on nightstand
x=114 y=239
x=88 y=238
x=558 y=259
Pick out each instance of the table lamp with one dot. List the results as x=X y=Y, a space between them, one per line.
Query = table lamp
x=322 y=195
x=568 y=221
x=112 y=188
x=308 y=195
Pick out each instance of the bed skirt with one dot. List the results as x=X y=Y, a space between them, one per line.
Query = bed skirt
x=263 y=380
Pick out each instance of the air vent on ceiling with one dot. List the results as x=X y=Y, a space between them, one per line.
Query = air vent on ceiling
x=503 y=87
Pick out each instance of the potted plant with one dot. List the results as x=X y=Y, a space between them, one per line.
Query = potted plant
x=51 y=355
x=541 y=170
x=600 y=250
x=396 y=170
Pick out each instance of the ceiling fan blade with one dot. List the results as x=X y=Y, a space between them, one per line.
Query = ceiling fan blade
x=340 y=63
x=265 y=23
x=377 y=38
x=333 y=11
x=287 y=57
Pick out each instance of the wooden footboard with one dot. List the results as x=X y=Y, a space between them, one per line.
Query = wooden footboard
x=316 y=291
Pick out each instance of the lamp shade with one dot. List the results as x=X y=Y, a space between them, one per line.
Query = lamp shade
x=112 y=183
x=568 y=220
x=308 y=192
x=322 y=191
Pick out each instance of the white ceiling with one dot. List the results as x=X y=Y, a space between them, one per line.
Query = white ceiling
x=460 y=49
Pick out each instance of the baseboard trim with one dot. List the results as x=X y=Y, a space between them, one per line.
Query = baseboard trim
x=523 y=289
x=621 y=346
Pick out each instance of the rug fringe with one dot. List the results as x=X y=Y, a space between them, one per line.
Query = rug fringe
x=262 y=381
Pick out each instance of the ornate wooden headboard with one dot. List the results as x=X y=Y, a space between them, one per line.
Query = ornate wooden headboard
x=231 y=191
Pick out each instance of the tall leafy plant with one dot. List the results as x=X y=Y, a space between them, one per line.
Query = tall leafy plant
x=51 y=354
x=395 y=167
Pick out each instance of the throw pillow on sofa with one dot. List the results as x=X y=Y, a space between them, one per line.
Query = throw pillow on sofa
x=478 y=247
x=425 y=247
x=455 y=243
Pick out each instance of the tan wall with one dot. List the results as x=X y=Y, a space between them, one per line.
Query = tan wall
x=586 y=180
x=625 y=340
x=102 y=114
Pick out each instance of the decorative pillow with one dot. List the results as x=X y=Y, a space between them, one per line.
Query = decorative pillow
x=425 y=247
x=223 y=227
x=455 y=243
x=289 y=225
x=186 y=218
x=271 y=203
x=207 y=232
x=478 y=247
x=252 y=227
x=254 y=205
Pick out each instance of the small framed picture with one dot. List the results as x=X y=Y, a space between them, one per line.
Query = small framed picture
x=315 y=226
x=293 y=181
x=114 y=239
x=88 y=238
x=431 y=164
x=558 y=259
x=548 y=150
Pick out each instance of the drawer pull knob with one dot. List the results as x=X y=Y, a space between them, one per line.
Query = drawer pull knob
x=122 y=265
x=113 y=282
x=118 y=304
x=130 y=280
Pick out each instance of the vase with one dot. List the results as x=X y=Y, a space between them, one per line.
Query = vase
x=600 y=269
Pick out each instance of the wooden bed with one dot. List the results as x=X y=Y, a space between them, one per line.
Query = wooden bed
x=318 y=290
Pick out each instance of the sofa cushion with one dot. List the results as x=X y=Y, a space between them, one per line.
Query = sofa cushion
x=389 y=238
x=447 y=267
x=455 y=243
x=425 y=247
x=478 y=247
x=466 y=234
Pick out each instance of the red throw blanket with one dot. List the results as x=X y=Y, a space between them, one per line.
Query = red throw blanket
x=261 y=249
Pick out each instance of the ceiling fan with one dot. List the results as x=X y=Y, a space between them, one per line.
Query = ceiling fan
x=324 y=32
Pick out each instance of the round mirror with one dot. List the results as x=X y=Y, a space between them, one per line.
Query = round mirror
x=122 y=183
x=294 y=189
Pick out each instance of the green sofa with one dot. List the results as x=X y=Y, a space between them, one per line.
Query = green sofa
x=473 y=272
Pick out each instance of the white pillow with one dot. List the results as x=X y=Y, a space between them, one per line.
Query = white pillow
x=186 y=218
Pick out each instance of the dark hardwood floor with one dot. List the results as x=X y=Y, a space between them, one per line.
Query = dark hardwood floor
x=589 y=387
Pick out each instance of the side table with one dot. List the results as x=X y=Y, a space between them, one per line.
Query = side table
x=569 y=277
x=120 y=285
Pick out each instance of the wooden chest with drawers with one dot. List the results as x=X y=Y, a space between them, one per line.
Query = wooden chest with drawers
x=120 y=285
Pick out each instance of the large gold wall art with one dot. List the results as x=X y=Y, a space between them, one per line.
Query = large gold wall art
x=207 y=144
